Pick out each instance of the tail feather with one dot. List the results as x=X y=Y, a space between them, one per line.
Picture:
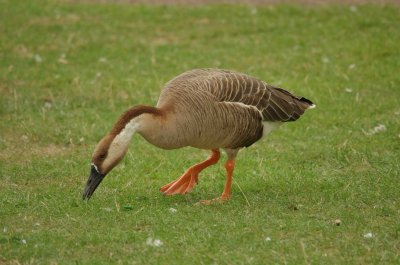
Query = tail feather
x=284 y=106
x=309 y=104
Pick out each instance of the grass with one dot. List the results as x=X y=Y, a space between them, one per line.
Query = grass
x=67 y=71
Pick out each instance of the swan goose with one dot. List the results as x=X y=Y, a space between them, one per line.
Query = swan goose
x=203 y=108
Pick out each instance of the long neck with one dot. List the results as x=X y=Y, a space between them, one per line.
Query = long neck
x=112 y=148
x=154 y=124
x=129 y=122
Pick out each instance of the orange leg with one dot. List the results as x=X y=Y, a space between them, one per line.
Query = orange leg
x=229 y=166
x=186 y=182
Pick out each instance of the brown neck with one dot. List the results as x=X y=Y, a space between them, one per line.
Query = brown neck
x=132 y=113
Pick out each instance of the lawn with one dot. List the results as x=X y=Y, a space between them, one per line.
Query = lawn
x=321 y=190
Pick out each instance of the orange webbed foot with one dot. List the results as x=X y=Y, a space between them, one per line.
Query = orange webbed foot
x=182 y=185
x=186 y=182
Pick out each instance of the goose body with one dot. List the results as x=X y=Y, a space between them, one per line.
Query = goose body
x=202 y=108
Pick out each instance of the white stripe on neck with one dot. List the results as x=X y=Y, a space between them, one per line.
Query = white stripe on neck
x=126 y=134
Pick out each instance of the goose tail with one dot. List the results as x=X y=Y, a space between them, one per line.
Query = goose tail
x=307 y=103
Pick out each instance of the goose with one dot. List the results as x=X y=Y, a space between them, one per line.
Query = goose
x=208 y=109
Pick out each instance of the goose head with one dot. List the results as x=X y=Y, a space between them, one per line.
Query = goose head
x=113 y=147
x=107 y=154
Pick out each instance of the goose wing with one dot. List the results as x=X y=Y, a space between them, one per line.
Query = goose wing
x=274 y=104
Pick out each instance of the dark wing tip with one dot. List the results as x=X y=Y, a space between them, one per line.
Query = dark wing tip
x=306 y=101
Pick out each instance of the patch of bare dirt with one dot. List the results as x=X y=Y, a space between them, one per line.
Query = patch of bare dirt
x=22 y=153
x=61 y=20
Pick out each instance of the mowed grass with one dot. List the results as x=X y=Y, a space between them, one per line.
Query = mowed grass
x=67 y=71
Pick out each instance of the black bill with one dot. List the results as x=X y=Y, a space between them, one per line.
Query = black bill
x=93 y=181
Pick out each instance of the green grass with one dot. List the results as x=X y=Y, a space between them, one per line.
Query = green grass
x=67 y=71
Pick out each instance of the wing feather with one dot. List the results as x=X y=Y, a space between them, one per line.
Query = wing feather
x=274 y=103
